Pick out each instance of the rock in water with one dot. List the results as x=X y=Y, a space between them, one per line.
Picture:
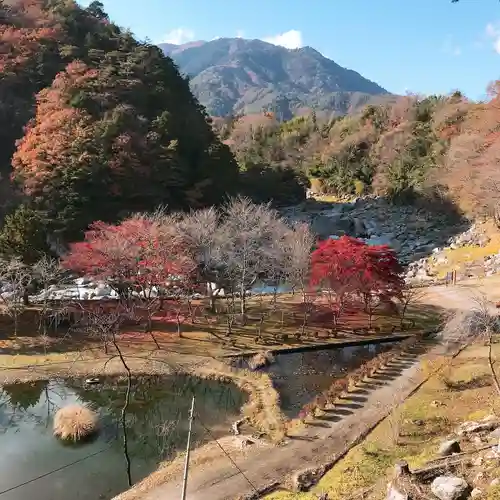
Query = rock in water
x=449 y=447
x=450 y=488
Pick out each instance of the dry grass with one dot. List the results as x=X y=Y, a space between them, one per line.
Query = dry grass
x=205 y=334
x=260 y=360
x=75 y=423
x=459 y=258
x=263 y=407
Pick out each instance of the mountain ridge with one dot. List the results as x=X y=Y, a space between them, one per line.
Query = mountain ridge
x=243 y=76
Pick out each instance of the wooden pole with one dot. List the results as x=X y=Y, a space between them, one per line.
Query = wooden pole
x=188 y=446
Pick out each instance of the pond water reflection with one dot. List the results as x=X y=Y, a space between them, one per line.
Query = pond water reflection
x=156 y=428
x=298 y=377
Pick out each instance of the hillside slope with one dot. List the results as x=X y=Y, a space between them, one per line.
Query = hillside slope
x=95 y=124
x=238 y=76
x=440 y=148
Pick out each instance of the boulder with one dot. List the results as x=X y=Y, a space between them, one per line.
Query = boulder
x=489 y=423
x=450 y=488
x=359 y=228
x=305 y=479
x=324 y=226
x=393 y=493
x=82 y=281
x=495 y=435
x=449 y=447
x=102 y=290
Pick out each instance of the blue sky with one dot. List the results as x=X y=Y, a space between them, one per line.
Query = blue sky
x=427 y=46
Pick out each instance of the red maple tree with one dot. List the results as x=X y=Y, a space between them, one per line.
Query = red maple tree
x=138 y=254
x=350 y=266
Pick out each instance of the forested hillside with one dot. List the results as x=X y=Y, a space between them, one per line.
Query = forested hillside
x=95 y=125
x=437 y=147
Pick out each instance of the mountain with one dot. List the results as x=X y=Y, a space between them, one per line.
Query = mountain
x=171 y=48
x=238 y=76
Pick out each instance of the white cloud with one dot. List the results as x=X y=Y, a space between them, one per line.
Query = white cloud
x=451 y=48
x=491 y=29
x=290 y=39
x=178 y=36
x=240 y=34
x=493 y=32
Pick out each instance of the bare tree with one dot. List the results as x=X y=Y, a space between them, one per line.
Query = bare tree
x=46 y=273
x=297 y=246
x=478 y=325
x=297 y=249
x=103 y=322
x=408 y=297
x=371 y=302
x=250 y=238
x=201 y=231
x=16 y=277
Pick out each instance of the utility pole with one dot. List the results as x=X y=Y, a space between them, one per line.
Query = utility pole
x=186 y=463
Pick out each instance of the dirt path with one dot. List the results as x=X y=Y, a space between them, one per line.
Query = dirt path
x=325 y=440
x=451 y=297
x=465 y=296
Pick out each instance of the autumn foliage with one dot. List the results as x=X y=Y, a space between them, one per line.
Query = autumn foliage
x=350 y=266
x=96 y=124
x=27 y=26
x=135 y=255
x=442 y=150
x=249 y=242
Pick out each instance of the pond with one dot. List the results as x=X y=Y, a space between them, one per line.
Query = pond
x=156 y=429
x=300 y=376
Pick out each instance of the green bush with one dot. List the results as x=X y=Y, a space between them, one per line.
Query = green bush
x=23 y=235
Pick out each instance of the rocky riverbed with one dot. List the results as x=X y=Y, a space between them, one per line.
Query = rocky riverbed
x=422 y=238
x=426 y=268
x=413 y=232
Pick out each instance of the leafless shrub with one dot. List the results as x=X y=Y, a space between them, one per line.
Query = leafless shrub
x=15 y=277
x=477 y=325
